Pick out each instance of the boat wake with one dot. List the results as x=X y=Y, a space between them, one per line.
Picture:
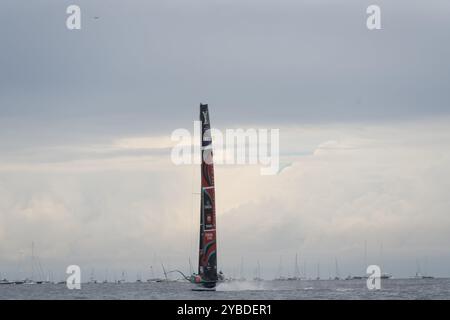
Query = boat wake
x=344 y=289
x=240 y=286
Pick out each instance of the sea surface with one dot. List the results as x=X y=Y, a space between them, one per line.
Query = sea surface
x=302 y=289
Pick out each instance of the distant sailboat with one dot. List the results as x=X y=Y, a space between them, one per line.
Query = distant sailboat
x=37 y=273
x=364 y=276
x=318 y=271
x=153 y=278
x=241 y=271
x=35 y=264
x=384 y=275
x=138 y=278
x=258 y=272
x=92 y=279
x=337 y=275
x=280 y=277
x=106 y=276
x=122 y=279
x=5 y=281
x=419 y=274
x=296 y=275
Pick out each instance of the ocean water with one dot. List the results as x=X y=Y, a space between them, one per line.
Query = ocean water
x=303 y=289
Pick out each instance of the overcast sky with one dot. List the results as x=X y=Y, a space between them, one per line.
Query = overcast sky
x=363 y=118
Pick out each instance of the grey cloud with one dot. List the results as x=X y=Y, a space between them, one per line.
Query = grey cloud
x=144 y=66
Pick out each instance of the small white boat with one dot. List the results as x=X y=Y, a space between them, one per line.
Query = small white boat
x=5 y=281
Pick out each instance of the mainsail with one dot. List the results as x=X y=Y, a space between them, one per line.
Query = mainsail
x=207 y=266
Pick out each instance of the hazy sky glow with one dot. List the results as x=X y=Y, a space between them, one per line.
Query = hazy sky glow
x=86 y=118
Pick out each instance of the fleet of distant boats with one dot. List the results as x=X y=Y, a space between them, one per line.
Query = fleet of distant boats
x=257 y=277
x=160 y=280
x=297 y=276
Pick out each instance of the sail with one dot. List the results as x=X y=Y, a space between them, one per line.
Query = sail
x=208 y=247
